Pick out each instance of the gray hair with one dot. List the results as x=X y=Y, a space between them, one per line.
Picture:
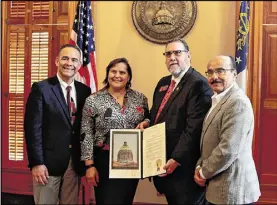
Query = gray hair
x=181 y=41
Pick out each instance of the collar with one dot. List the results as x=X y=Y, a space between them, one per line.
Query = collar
x=179 y=78
x=217 y=97
x=64 y=84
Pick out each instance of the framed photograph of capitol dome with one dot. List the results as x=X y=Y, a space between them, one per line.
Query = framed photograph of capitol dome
x=134 y=154
x=125 y=153
x=162 y=21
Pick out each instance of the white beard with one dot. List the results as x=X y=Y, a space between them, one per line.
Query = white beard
x=176 y=71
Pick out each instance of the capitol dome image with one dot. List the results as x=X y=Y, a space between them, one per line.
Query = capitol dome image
x=125 y=154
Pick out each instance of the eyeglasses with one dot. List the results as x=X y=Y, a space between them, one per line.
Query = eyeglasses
x=218 y=71
x=176 y=53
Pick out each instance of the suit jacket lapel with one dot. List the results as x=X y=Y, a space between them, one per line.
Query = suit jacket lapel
x=208 y=121
x=161 y=94
x=217 y=108
x=175 y=93
x=57 y=90
x=78 y=97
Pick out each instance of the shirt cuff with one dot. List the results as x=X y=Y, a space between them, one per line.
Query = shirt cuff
x=201 y=174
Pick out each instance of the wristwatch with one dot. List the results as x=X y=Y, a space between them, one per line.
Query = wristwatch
x=89 y=166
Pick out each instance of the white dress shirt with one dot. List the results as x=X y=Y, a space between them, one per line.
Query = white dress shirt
x=216 y=99
x=72 y=92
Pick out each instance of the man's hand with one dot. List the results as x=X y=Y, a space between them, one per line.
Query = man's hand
x=92 y=176
x=198 y=179
x=170 y=167
x=40 y=174
x=142 y=125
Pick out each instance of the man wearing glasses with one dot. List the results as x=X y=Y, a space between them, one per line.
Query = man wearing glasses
x=181 y=100
x=226 y=165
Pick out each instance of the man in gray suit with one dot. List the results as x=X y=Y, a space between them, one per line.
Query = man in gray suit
x=226 y=165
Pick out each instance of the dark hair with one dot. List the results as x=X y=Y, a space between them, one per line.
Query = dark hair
x=112 y=64
x=70 y=46
x=181 y=41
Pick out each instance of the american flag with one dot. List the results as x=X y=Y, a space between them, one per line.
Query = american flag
x=82 y=34
x=242 y=44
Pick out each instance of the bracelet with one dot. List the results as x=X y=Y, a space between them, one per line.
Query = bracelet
x=89 y=166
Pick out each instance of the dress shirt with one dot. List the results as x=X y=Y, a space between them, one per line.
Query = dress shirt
x=216 y=99
x=72 y=92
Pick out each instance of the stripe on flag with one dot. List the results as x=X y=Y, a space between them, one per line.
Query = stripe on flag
x=82 y=35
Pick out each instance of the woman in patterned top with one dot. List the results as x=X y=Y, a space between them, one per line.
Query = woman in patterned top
x=116 y=106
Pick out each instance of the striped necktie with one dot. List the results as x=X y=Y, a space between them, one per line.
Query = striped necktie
x=71 y=105
x=165 y=99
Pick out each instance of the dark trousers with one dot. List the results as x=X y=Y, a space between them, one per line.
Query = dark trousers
x=112 y=191
x=179 y=189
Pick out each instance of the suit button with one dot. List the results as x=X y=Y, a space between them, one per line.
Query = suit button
x=70 y=146
x=73 y=132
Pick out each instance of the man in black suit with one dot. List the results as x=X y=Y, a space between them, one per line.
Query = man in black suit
x=52 y=131
x=183 y=110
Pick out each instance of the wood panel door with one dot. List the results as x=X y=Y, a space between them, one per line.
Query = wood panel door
x=264 y=96
x=268 y=129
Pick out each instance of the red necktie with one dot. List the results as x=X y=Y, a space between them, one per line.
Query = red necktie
x=166 y=97
x=71 y=105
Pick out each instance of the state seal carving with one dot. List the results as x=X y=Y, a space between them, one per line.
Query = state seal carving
x=162 y=21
